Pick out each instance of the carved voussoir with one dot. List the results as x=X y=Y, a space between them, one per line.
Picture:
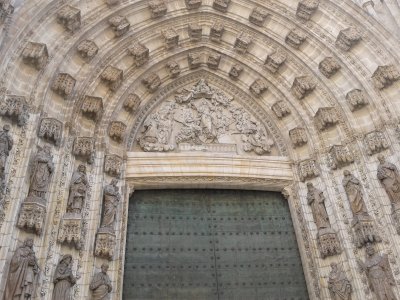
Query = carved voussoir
x=16 y=108
x=63 y=85
x=325 y=118
x=216 y=31
x=140 y=53
x=235 y=71
x=152 y=82
x=84 y=147
x=275 y=60
x=213 y=60
x=51 y=130
x=157 y=8
x=92 y=107
x=375 y=142
x=36 y=55
x=306 y=8
x=171 y=38
x=356 y=99
x=258 y=16
x=112 y=77
x=193 y=4
x=298 y=136
x=243 y=42
x=303 y=86
x=385 y=76
x=329 y=66
x=221 y=5
x=194 y=60
x=87 y=49
x=173 y=68
x=295 y=38
x=69 y=17
x=131 y=103
x=195 y=32
x=116 y=131
x=340 y=156
x=348 y=38
x=308 y=169
x=120 y=25
x=113 y=165
x=258 y=87
x=280 y=109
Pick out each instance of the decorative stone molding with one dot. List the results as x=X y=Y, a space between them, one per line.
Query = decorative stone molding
x=308 y=169
x=375 y=142
x=113 y=165
x=221 y=5
x=112 y=77
x=152 y=82
x=158 y=8
x=117 y=130
x=258 y=87
x=280 y=109
x=32 y=215
x=298 y=136
x=258 y=16
x=51 y=130
x=193 y=4
x=84 y=147
x=92 y=107
x=243 y=42
x=275 y=60
x=235 y=71
x=36 y=55
x=303 y=86
x=120 y=25
x=16 y=108
x=171 y=38
x=213 y=60
x=328 y=243
x=329 y=66
x=325 y=118
x=105 y=243
x=63 y=85
x=140 y=53
x=87 y=49
x=340 y=156
x=131 y=103
x=173 y=68
x=306 y=8
x=70 y=231
x=385 y=76
x=295 y=38
x=216 y=31
x=348 y=38
x=195 y=32
x=357 y=99
x=69 y=17
x=194 y=60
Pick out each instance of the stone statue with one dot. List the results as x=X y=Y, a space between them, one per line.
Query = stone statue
x=388 y=174
x=77 y=190
x=6 y=144
x=111 y=199
x=101 y=285
x=63 y=279
x=316 y=199
x=338 y=284
x=379 y=274
x=23 y=273
x=41 y=173
x=354 y=193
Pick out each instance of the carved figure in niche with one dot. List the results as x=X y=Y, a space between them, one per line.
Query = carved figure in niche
x=41 y=173
x=23 y=273
x=388 y=174
x=316 y=199
x=6 y=144
x=111 y=199
x=354 y=193
x=77 y=190
x=101 y=284
x=63 y=279
x=379 y=274
x=338 y=284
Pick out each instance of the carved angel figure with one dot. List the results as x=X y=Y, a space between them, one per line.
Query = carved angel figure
x=101 y=285
x=22 y=276
x=63 y=279
x=354 y=193
x=316 y=200
x=77 y=190
x=338 y=284
x=41 y=173
x=6 y=144
x=388 y=174
x=111 y=199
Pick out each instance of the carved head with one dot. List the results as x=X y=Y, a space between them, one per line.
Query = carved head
x=67 y=259
x=310 y=186
x=104 y=268
x=28 y=243
x=114 y=182
x=369 y=249
x=334 y=266
x=82 y=168
x=6 y=127
x=381 y=158
x=346 y=173
x=47 y=149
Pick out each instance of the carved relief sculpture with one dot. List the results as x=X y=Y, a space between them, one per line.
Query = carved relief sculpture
x=356 y=99
x=375 y=142
x=258 y=87
x=258 y=16
x=329 y=66
x=131 y=103
x=63 y=279
x=16 y=108
x=340 y=156
x=298 y=136
x=6 y=9
x=338 y=284
x=101 y=285
x=51 y=130
x=193 y=4
x=275 y=60
x=235 y=71
x=213 y=60
x=116 y=131
x=325 y=118
x=92 y=107
x=33 y=209
x=308 y=169
x=385 y=76
x=63 y=85
x=84 y=148
x=195 y=32
x=36 y=55
x=171 y=38
x=280 y=109
x=306 y=8
x=303 y=86
x=105 y=238
x=140 y=53
x=379 y=274
x=328 y=242
x=348 y=38
x=152 y=82
x=243 y=42
x=87 y=49
x=216 y=31
x=173 y=68
x=194 y=60
x=112 y=77
x=22 y=278
x=221 y=5
x=295 y=38
x=113 y=165
x=363 y=225
x=158 y=8
x=120 y=25
x=69 y=17
x=6 y=144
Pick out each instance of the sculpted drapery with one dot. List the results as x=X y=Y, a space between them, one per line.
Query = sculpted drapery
x=101 y=285
x=354 y=193
x=389 y=176
x=316 y=200
x=111 y=199
x=63 y=279
x=77 y=190
x=41 y=173
x=6 y=144
x=338 y=284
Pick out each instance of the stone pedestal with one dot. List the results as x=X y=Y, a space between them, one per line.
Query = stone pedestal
x=328 y=242
x=71 y=230
x=32 y=215
x=105 y=243
x=364 y=231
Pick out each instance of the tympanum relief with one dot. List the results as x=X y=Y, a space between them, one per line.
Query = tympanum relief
x=203 y=118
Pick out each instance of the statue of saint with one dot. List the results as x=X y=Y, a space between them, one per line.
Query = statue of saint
x=111 y=198
x=23 y=273
x=338 y=284
x=379 y=274
x=6 y=144
x=42 y=170
x=101 y=285
x=388 y=174
x=316 y=199
x=77 y=190
x=354 y=193
x=63 y=279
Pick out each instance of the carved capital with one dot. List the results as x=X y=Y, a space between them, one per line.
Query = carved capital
x=308 y=169
x=32 y=215
x=69 y=17
x=194 y=60
x=340 y=156
x=375 y=142
x=385 y=76
x=329 y=66
x=87 y=49
x=63 y=85
x=113 y=165
x=120 y=25
x=173 y=68
x=258 y=87
x=348 y=38
x=303 y=86
x=36 y=55
x=140 y=53
x=171 y=38
x=152 y=82
x=213 y=60
x=325 y=118
x=195 y=32
x=70 y=230
x=275 y=60
x=243 y=42
x=328 y=242
x=298 y=136
x=112 y=77
x=15 y=108
x=216 y=31
x=92 y=107
x=131 y=103
x=258 y=16
x=105 y=243
x=157 y=8
x=295 y=38
x=51 y=130
x=280 y=109
x=84 y=147
x=356 y=99
x=306 y=8
x=116 y=131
